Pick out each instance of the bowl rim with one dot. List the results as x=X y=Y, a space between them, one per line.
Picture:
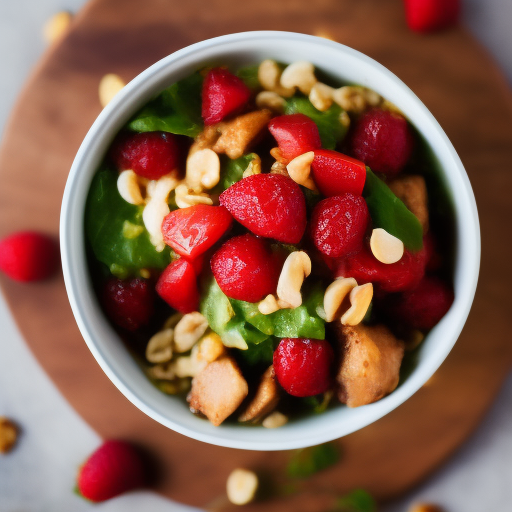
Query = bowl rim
x=74 y=275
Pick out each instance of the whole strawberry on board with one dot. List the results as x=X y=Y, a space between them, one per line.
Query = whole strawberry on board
x=114 y=468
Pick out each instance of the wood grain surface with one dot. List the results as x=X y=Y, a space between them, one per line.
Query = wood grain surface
x=456 y=80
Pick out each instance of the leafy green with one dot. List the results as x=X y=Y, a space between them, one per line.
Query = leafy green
x=232 y=170
x=389 y=213
x=329 y=125
x=261 y=353
x=215 y=306
x=308 y=461
x=357 y=501
x=111 y=226
x=176 y=109
x=250 y=312
x=249 y=74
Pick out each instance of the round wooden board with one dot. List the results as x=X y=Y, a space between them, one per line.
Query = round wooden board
x=449 y=72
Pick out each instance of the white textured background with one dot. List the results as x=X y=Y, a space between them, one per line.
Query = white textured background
x=39 y=475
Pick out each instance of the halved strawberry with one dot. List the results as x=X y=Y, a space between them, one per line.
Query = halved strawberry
x=177 y=285
x=295 y=134
x=430 y=15
x=335 y=174
x=223 y=94
x=192 y=231
x=245 y=268
x=269 y=205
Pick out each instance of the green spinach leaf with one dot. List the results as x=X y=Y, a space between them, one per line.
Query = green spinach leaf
x=233 y=170
x=249 y=74
x=308 y=461
x=357 y=501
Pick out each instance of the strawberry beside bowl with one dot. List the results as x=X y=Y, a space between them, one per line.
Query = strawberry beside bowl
x=345 y=65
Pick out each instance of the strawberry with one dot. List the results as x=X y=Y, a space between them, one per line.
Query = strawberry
x=177 y=285
x=303 y=366
x=382 y=140
x=129 y=303
x=295 y=134
x=430 y=15
x=223 y=94
x=335 y=174
x=29 y=256
x=114 y=468
x=150 y=155
x=245 y=268
x=338 y=224
x=423 y=307
x=269 y=205
x=192 y=231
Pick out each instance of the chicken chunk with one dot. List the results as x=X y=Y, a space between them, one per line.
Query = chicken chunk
x=265 y=400
x=412 y=190
x=218 y=390
x=370 y=363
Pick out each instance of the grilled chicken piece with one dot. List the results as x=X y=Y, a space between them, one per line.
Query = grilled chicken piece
x=218 y=390
x=265 y=400
x=370 y=363
x=412 y=190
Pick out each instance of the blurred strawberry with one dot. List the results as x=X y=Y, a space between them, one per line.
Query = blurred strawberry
x=431 y=15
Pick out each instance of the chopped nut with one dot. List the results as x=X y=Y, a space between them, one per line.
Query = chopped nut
x=241 y=486
x=299 y=74
x=109 y=86
x=275 y=420
x=129 y=187
x=268 y=305
x=321 y=96
x=144 y=272
x=171 y=322
x=8 y=434
x=269 y=76
x=360 y=299
x=344 y=119
x=164 y=371
x=254 y=167
x=265 y=400
x=426 y=507
x=239 y=133
x=270 y=100
x=296 y=268
x=159 y=348
x=188 y=366
x=203 y=170
x=218 y=390
x=387 y=105
x=412 y=190
x=278 y=168
x=354 y=98
x=209 y=348
x=335 y=296
x=188 y=331
x=206 y=139
x=276 y=153
x=299 y=170
x=386 y=247
x=57 y=26
x=186 y=197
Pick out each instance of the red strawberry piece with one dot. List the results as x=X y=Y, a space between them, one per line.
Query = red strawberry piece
x=423 y=307
x=431 y=15
x=29 y=256
x=338 y=224
x=245 y=268
x=295 y=134
x=150 y=155
x=269 y=205
x=177 y=285
x=335 y=174
x=303 y=366
x=114 y=468
x=223 y=94
x=400 y=276
x=129 y=303
x=192 y=231
x=382 y=140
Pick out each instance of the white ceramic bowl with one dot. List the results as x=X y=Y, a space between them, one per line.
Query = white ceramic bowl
x=238 y=49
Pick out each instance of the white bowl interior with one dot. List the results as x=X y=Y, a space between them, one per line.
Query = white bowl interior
x=240 y=49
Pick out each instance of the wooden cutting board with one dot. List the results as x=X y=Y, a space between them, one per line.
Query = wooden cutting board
x=453 y=76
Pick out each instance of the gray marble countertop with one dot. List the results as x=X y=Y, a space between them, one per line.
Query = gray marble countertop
x=39 y=475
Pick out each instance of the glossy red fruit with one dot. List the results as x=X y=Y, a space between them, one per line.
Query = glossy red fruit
x=431 y=15
x=192 y=231
x=303 y=366
x=177 y=285
x=223 y=94
x=423 y=307
x=382 y=140
x=129 y=303
x=114 y=468
x=269 y=205
x=335 y=174
x=338 y=224
x=29 y=256
x=150 y=155
x=396 y=277
x=245 y=268
x=295 y=134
